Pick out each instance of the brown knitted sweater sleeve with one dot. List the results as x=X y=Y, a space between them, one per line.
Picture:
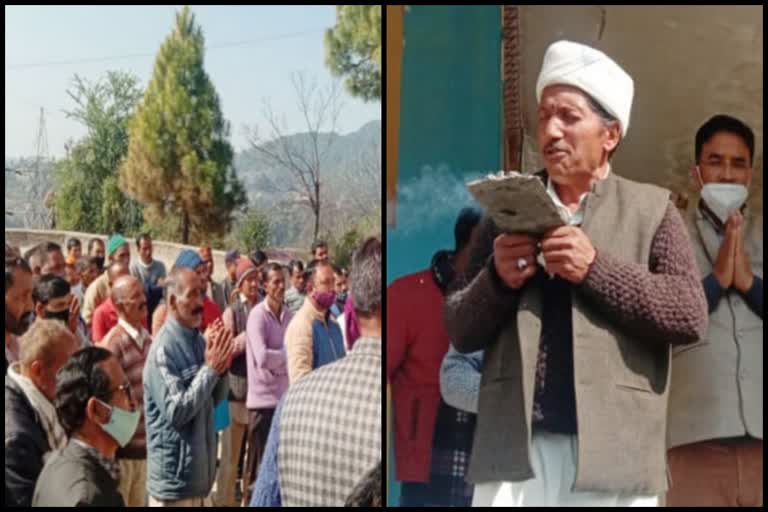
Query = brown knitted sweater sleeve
x=480 y=303
x=664 y=302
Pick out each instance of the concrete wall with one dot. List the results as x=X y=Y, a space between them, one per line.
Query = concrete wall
x=162 y=251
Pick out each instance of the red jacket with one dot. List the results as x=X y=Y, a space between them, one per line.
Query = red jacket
x=416 y=345
x=211 y=311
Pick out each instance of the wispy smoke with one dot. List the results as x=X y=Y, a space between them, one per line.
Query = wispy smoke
x=434 y=196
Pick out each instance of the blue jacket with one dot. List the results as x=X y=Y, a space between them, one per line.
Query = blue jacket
x=179 y=396
x=327 y=343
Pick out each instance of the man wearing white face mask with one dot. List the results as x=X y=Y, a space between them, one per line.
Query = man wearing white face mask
x=715 y=426
x=98 y=414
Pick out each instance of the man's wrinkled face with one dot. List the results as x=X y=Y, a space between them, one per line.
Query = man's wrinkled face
x=725 y=159
x=122 y=255
x=340 y=283
x=97 y=249
x=275 y=286
x=250 y=286
x=134 y=307
x=321 y=253
x=91 y=273
x=297 y=278
x=323 y=280
x=18 y=298
x=145 y=250
x=121 y=395
x=188 y=306
x=573 y=140
x=55 y=264
x=72 y=275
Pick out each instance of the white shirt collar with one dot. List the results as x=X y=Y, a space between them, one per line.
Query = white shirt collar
x=137 y=336
x=577 y=217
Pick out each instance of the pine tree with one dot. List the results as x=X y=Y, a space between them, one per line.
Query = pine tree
x=179 y=163
x=353 y=49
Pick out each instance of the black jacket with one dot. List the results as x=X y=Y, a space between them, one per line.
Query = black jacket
x=72 y=477
x=25 y=445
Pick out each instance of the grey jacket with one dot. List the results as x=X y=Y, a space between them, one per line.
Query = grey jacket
x=640 y=297
x=717 y=384
x=180 y=392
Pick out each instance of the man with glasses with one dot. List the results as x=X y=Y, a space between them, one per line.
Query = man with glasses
x=715 y=426
x=130 y=342
x=96 y=410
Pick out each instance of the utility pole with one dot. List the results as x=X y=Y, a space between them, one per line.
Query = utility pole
x=36 y=215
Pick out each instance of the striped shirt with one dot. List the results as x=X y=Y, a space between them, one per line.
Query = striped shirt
x=131 y=348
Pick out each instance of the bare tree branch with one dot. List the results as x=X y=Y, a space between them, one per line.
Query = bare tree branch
x=319 y=110
x=365 y=179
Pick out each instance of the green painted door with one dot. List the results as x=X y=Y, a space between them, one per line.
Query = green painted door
x=450 y=128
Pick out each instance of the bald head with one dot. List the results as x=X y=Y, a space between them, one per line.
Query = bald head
x=116 y=270
x=123 y=287
x=128 y=296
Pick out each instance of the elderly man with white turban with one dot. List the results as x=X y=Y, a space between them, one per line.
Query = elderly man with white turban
x=573 y=395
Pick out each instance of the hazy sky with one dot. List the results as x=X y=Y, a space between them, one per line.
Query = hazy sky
x=276 y=41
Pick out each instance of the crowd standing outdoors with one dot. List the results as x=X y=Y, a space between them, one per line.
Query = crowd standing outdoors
x=613 y=361
x=129 y=384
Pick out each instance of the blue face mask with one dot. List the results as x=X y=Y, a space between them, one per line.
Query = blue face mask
x=122 y=424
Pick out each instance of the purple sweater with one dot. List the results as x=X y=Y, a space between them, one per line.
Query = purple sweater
x=265 y=356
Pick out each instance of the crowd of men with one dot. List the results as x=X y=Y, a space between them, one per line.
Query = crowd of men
x=612 y=361
x=128 y=384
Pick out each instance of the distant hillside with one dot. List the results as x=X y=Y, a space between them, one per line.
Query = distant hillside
x=261 y=178
x=266 y=186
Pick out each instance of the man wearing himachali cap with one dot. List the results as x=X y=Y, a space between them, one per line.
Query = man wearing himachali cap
x=98 y=291
x=573 y=395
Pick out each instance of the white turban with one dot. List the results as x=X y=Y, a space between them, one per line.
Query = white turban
x=593 y=72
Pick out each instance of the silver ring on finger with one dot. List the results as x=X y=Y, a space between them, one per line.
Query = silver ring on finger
x=521 y=263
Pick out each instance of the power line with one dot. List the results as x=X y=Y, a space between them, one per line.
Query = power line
x=58 y=111
x=141 y=55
